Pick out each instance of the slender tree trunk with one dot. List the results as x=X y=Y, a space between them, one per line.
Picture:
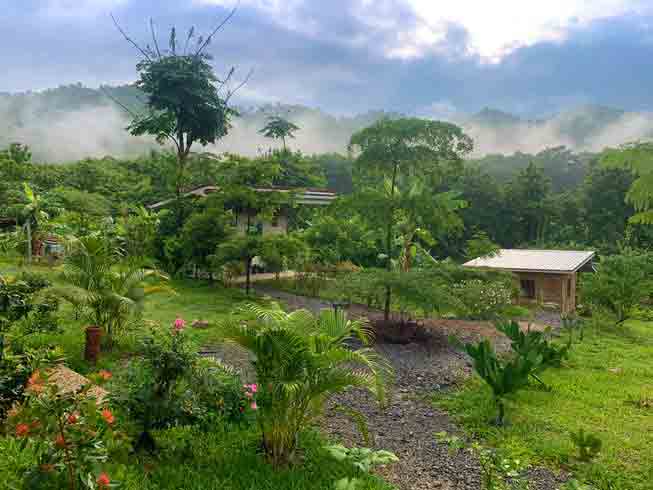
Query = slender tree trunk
x=388 y=292
x=29 y=240
x=248 y=265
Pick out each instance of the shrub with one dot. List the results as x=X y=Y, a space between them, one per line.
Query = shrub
x=301 y=360
x=71 y=435
x=363 y=459
x=171 y=385
x=620 y=283
x=483 y=300
x=15 y=369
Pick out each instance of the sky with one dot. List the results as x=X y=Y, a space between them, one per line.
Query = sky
x=426 y=57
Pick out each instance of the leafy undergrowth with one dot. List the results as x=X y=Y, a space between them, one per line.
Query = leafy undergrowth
x=192 y=300
x=605 y=388
x=191 y=459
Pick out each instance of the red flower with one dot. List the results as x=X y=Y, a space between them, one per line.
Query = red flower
x=73 y=418
x=105 y=375
x=107 y=416
x=59 y=441
x=103 y=480
x=22 y=430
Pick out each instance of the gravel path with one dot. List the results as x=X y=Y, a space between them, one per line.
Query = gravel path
x=407 y=426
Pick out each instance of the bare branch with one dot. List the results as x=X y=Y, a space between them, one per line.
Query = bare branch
x=130 y=40
x=191 y=33
x=116 y=101
x=239 y=86
x=220 y=25
x=156 y=43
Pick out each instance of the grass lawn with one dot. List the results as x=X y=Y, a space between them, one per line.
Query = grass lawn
x=190 y=459
x=605 y=388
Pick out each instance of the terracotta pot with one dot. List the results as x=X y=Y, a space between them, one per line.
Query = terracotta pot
x=93 y=339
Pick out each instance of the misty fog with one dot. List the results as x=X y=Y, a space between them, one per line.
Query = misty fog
x=96 y=131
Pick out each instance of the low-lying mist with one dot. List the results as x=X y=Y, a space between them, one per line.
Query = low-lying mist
x=59 y=135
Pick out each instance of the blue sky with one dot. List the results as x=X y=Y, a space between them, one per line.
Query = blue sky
x=429 y=57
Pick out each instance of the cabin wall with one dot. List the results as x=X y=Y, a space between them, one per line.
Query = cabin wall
x=278 y=225
x=547 y=288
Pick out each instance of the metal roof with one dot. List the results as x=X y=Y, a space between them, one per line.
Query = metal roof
x=311 y=196
x=553 y=261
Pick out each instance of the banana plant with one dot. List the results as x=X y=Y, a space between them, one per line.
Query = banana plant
x=33 y=216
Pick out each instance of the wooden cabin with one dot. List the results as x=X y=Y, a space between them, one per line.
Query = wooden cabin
x=541 y=276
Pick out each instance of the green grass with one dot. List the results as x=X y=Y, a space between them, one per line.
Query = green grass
x=595 y=391
x=190 y=459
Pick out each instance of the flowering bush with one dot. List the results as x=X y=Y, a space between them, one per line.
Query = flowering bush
x=72 y=436
x=483 y=300
x=171 y=385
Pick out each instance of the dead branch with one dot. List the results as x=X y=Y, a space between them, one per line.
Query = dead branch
x=239 y=86
x=156 y=43
x=191 y=32
x=116 y=101
x=220 y=25
x=130 y=40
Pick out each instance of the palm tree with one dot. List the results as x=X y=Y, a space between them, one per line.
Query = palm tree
x=33 y=215
x=302 y=360
x=104 y=285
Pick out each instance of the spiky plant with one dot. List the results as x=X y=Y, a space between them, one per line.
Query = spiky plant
x=503 y=377
x=301 y=360
x=108 y=288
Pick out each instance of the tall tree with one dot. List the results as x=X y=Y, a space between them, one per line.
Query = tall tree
x=528 y=193
x=638 y=157
x=186 y=101
x=278 y=127
x=396 y=151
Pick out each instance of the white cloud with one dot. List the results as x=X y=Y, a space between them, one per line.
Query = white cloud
x=495 y=27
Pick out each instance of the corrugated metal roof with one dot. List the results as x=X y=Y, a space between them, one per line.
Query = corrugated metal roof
x=554 y=261
x=311 y=196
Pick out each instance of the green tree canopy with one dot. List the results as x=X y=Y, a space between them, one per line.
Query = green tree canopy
x=399 y=164
x=638 y=157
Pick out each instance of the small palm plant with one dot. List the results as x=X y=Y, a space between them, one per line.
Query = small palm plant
x=108 y=288
x=503 y=376
x=302 y=360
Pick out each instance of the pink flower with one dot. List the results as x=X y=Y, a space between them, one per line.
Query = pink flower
x=253 y=387
x=249 y=394
x=253 y=406
x=179 y=324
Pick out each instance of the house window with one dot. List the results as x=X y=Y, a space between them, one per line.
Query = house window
x=527 y=288
x=568 y=288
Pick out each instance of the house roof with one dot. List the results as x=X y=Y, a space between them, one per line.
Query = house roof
x=552 y=261
x=310 y=196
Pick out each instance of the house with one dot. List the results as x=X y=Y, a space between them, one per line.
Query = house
x=279 y=224
x=544 y=276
